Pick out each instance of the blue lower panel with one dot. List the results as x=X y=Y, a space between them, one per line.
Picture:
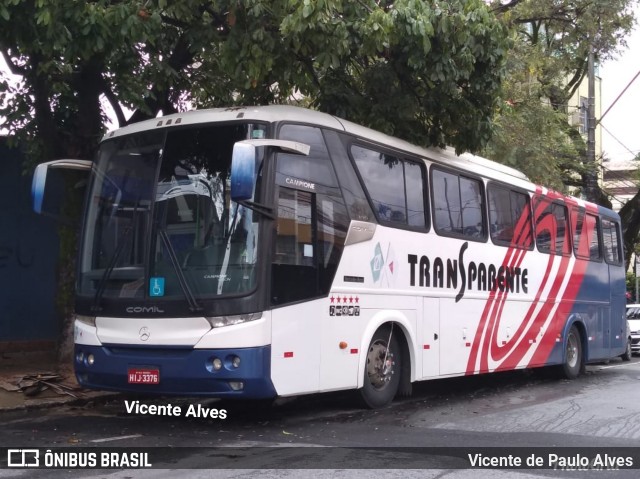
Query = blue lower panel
x=182 y=372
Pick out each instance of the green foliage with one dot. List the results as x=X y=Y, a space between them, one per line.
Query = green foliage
x=530 y=135
x=427 y=71
x=546 y=64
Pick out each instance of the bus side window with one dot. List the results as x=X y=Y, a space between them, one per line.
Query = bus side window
x=552 y=229
x=586 y=235
x=312 y=221
x=395 y=186
x=311 y=229
x=611 y=239
x=509 y=217
x=352 y=192
x=458 y=204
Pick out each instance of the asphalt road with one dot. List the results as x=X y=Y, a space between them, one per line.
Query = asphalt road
x=429 y=435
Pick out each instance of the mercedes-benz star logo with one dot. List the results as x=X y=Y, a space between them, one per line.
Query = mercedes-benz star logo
x=144 y=333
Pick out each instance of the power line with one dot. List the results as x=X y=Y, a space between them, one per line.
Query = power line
x=618 y=97
x=614 y=137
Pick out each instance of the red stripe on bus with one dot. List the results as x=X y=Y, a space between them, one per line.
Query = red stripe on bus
x=485 y=347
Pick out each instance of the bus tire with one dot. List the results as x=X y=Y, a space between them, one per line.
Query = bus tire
x=626 y=356
x=572 y=365
x=382 y=369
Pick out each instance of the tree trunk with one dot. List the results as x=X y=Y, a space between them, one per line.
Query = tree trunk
x=89 y=130
x=89 y=125
x=47 y=136
x=630 y=215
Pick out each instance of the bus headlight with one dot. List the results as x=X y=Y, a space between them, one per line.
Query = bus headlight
x=235 y=361
x=222 y=321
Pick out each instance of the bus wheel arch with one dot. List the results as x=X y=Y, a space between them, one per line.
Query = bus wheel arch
x=405 y=388
x=574 y=352
x=385 y=365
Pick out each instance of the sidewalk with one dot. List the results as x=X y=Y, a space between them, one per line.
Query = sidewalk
x=36 y=380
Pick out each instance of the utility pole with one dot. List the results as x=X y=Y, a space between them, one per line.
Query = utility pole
x=636 y=260
x=591 y=174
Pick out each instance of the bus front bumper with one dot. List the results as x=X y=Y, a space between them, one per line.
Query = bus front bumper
x=239 y=373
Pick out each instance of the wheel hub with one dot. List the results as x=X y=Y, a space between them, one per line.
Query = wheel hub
x=572 y=351
x=380 y=365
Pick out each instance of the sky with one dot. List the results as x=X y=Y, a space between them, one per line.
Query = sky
x=621 y=133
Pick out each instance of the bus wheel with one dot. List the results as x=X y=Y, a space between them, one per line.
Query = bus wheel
x=382 y=372
x=572 y=365
x=626 y=356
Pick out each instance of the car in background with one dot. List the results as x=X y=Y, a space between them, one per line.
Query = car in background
x=633 y=318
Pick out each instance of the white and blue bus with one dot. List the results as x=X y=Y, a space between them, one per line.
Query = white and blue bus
x=256 y=252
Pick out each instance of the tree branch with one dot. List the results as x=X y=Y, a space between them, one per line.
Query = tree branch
x=113 y=101
x=505 y=6
x=576 y=80
x=159 y=98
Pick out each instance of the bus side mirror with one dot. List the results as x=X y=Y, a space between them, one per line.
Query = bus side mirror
x=243 y=169
x=243 y=164
x=48 y=184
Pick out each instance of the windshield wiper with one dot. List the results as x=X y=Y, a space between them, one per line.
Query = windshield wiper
x=193 y=304
x=95 y=307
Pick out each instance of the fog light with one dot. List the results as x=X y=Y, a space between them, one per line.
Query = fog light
x=235 y=362
x=236 y=385
x=217 y=364
x=80 y=357
x=91 y=359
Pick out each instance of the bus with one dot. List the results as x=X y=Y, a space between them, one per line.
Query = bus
x=259 y=252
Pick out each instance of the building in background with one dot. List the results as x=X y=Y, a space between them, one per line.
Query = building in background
x=620 y=181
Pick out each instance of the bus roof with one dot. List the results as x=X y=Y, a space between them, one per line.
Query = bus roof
x=276 y=113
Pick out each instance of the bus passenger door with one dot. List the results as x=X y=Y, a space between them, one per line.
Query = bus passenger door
x=430 y=337
x=311 y=227
x=295 y=349
x=310 y=232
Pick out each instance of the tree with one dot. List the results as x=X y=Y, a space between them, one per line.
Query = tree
x=630 y=215
x=548 y=62
x=552 y=40
x=427 y=71
x=529 y=134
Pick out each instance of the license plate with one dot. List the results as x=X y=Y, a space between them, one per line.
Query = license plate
x=143 y=376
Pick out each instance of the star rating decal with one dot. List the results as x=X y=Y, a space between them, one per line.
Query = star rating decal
x=344 y=299
x=346 y=305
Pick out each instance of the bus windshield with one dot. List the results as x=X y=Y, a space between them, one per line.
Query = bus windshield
x=160 y=223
